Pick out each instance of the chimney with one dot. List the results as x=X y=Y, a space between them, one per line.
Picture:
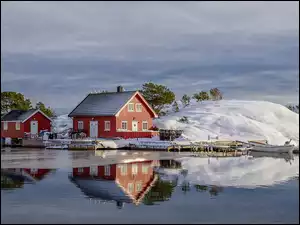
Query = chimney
x=120 y=89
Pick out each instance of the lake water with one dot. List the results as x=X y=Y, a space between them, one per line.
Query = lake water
x=51 y=186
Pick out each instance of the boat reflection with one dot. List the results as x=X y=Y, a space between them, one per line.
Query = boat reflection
x=13 y=178
x=288 y=157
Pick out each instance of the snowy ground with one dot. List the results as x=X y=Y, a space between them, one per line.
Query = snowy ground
x=227 y=119
x=236 y=120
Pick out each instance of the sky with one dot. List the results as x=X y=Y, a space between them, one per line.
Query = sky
x=58 y=52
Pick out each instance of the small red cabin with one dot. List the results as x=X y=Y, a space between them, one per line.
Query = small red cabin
x=123 y=114
x=18 y=122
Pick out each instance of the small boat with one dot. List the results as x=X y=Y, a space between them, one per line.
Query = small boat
x=260 y=147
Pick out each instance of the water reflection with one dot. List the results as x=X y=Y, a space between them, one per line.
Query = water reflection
x=120 y=182
x=12 y=178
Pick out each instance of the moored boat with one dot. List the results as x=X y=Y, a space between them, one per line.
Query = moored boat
x=287 y=147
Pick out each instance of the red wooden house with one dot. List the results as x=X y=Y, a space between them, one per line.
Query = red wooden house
x=123 y=182
x=123 y=114
x=18 y=122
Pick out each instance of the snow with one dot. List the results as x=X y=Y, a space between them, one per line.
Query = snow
x=62 y=123
x=235 y=120
x=227 y=119
x=246 y=172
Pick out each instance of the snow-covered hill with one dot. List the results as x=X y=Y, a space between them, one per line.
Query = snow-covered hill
x=235 y=120
x=227 y=119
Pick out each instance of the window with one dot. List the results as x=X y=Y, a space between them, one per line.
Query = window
x=124 y=125
x=80 y=170
x=138 y=107
x=80 y=125
x=145 y=169
x=107 y=170
x=130 y=187
x=107 y=125
x=94 y=170
x=5 y=126
x=145 y=125
x=17 y=125
x=131 y=107
x=134 y=169
x=123 y=169
x=138 y=186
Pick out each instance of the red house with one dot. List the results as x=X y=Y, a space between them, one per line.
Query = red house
x=124 y=182
x=18 y=122
x=123 y=114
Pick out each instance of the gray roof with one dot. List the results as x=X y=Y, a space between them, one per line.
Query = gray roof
x=17 y=115
x=100 y=188
x=102 y=104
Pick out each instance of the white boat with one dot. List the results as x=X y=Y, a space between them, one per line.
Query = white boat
x=260 y=147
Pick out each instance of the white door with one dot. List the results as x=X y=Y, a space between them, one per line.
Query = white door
x=134 y=126
x=93 y=129
x=34 y=127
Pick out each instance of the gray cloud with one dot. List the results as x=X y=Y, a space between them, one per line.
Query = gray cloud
x=58 y=51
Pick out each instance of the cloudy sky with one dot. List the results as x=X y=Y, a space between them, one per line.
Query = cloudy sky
x=57 y=52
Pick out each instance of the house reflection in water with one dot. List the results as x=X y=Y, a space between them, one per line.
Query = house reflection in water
x=12 y=178
x=122 y=182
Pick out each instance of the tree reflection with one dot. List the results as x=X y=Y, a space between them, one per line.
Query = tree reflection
x=7 y=183
x=161 y=191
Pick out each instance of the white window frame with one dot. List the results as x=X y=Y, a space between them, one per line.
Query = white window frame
x=80 y=170
x=5 y=125
x=130 y=187
x=131 y=109
x=145 y=168
x=123 y=169
x=139 y=186
x=134 y=169
x=81 y=125
x=144 y=122
x=107 y=170
x=125 y=122
x=18 y=126
x=106 y=125
x=138 y=109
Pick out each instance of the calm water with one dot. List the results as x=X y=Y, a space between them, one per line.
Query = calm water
x=137 y=187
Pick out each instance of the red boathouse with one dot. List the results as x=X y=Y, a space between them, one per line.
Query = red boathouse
x=123 y=114
x=18 y=122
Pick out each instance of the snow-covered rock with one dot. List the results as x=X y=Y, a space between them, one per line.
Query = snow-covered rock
x=235 y=120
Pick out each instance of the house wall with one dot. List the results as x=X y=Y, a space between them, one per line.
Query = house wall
x=100 y=119
x=43 y=122
x=11 y=131
x=125 y=115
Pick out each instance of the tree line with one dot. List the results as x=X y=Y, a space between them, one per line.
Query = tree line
x=16 y=101
x=160 y=96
